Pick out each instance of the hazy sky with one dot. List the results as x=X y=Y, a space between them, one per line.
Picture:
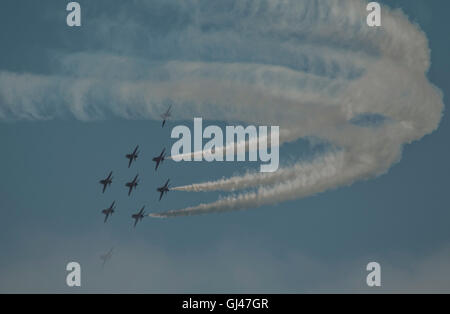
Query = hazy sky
x=51 y=202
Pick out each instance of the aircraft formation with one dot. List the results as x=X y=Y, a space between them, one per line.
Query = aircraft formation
x=133 y=184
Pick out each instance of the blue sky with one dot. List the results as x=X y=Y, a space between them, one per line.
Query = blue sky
x=50 y=199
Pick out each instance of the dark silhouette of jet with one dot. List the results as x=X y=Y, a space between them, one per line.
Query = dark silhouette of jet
x=109 y=211
x=138 y=216
x=133 y=184
x=133 y=156
x=163 y=189
x=106 y=257
x=107 y=181
x=166 y=115
x=159 y=158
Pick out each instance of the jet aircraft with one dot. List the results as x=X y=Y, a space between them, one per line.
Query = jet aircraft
x=133 y=156
x=138 y=216
x=163 y=189
x=106 y=182
x=166 y=115
x=159 y=159
x=109 y=211
x=106 y=257
x=133 y=184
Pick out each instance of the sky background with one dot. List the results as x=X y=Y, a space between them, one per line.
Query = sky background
x=51 y=202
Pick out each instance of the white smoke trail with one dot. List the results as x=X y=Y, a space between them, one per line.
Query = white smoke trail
x=254 y=179
x=248 y=145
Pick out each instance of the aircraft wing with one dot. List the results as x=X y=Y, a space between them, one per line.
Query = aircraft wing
x=161 y=195
x=130 y=189
x=129 y=162
x=104 y=187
